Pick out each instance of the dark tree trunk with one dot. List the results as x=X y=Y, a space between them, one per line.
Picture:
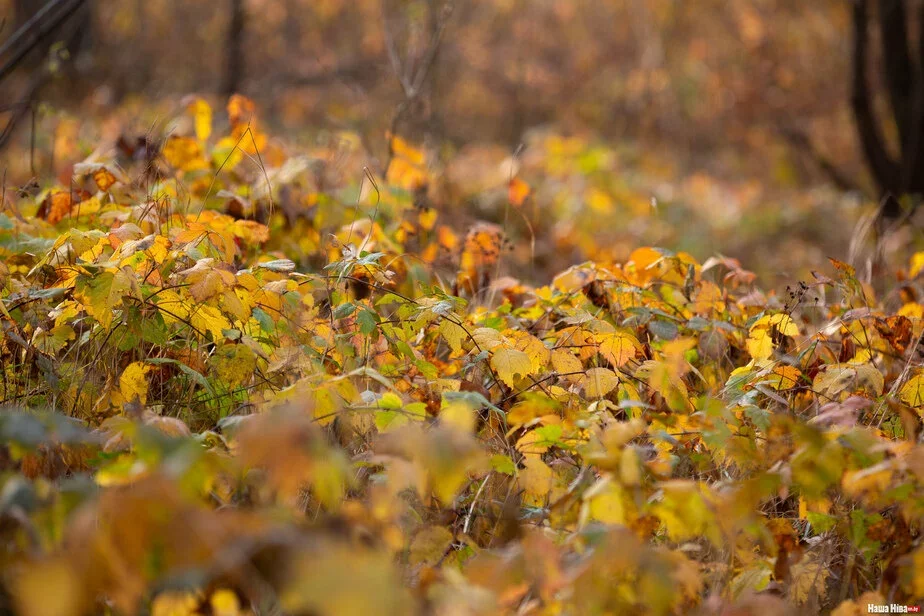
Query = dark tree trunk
x=234 y=52
x=900 y=173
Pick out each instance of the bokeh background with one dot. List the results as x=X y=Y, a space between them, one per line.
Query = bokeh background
x=716 y=126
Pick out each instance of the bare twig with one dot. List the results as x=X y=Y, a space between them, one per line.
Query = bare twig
x=412 y=84
x=36 y=30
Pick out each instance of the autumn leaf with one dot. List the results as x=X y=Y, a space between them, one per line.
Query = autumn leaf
x=617 y=347
x=510 y=362
x=184 y=153
x=606 y=502
x=517 y=191
x=201 y=112
x=234 y=364
x=760 y=338
x=598 y=382
x=912 y=392
x=56 y=206
x=102 y=293
x=133 y=382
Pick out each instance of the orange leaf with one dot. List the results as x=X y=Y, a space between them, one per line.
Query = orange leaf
x=517 y=191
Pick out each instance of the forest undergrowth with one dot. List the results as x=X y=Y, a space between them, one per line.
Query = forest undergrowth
x=239 y=379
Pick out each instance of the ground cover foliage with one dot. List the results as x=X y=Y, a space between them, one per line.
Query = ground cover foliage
x=241 y=379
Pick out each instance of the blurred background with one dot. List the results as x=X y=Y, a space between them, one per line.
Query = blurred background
x=720 y=126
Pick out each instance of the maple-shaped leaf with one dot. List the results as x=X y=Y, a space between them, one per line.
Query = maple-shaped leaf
x=809 y=578
x=509 y=362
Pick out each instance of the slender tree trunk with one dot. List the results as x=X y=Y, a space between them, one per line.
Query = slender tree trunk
x=234 y=53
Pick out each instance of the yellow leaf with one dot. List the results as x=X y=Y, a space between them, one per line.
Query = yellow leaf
x=33 y=581
x=427 y=218
x=784 y=324
x=458 y=413
x=133 y=382
x=241 y=112
x=184 y=153
x=617 y=347
x=487 y=338
x=536 y=478
x=250 y=231
x=630 y=467
x=453 y=334
x=224 y=602
x=599 y=381
x=708 y=299
x=809 y=576
x=874 y=480
x=566 y=363
x=234 y=363
x=760 y=340
x=917 y=264
x=685 y=513
x=104 y=179
x=536 y=351
x=209 y=319
x=159 y=249
x=175 y=603
x=760 y=344
x=918 y=565
x=643 y=265
x=784 y=377
x=202 y=118
x=510 y=362
x=599 y=201
x=836 y=380
x=912 y=392
x=429 y=545
x=608 y=506
x=403 y=149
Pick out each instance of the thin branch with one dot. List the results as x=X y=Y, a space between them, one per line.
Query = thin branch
x=34 y=31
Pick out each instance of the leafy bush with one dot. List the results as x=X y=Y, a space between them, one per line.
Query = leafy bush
x=238 y=384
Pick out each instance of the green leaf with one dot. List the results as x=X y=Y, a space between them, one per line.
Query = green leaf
x=368 y=321
x=503 y=464
x=344 y=310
